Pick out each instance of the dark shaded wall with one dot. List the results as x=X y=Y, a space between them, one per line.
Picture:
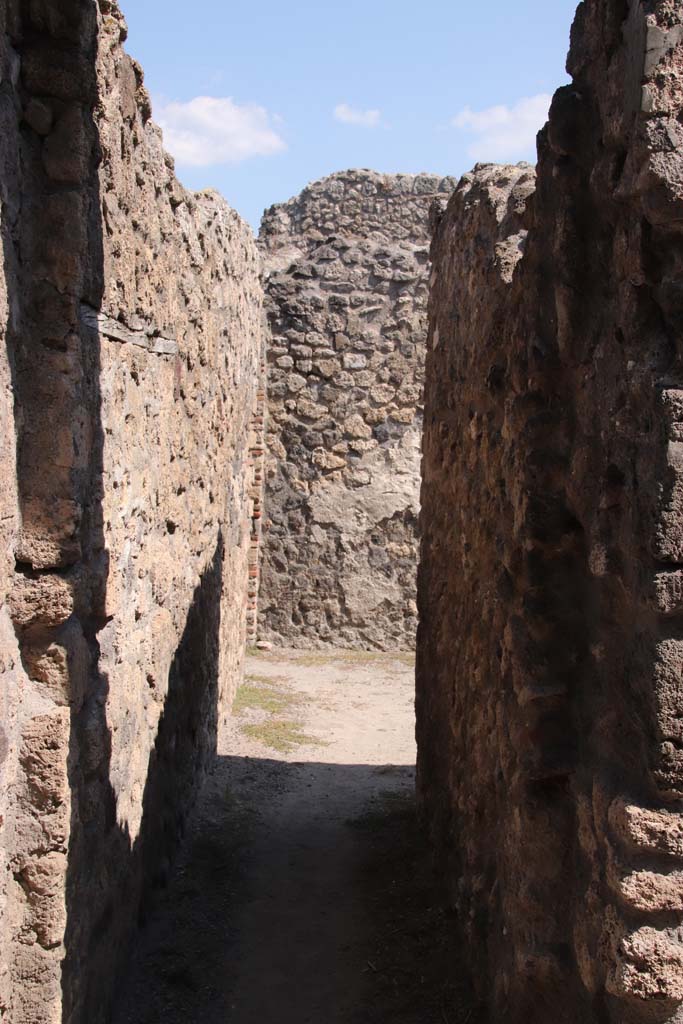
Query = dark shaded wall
x=131 y=332
x=550 y=652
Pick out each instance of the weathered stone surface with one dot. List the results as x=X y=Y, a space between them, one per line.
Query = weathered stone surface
x=549 y=657
x=347 y=270
x=131 y=412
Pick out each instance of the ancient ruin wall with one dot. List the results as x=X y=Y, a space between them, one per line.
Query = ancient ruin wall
x=132 y=334
x=550 y=658
x=346 y=271
x=14 y=685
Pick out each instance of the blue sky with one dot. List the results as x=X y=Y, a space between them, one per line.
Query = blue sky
x=258 y=98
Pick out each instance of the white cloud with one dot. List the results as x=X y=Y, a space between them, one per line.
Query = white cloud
x=212 y=130
x=504 y=133
x=348 y=115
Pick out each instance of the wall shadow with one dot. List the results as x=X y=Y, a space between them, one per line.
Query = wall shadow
x=304 y=892
x=112 y=882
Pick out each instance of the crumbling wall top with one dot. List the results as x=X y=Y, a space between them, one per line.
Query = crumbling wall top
x=355 y=203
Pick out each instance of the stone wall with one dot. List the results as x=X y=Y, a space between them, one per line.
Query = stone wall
x=550 y=658
x=15 y=687
x=131 y=346
x=347 y=280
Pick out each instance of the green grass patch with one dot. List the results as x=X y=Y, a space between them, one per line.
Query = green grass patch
x=281 y=735
x=405 y=657
x=257 y=698
x=262 y=693
x=279 y=730
x=331 y=656
x=315 y=659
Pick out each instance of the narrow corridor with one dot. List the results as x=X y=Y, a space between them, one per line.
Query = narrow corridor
x=302 y=893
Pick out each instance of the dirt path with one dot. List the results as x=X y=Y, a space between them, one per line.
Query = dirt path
x=301 y=894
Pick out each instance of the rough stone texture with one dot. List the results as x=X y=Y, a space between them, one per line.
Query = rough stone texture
x=346 y=269
x=15 y=688
x=131 y=330
x=550 y=702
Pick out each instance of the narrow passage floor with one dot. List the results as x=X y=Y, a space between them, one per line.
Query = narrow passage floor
x=303 y=892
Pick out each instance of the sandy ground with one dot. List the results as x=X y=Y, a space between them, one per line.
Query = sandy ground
x=300 y=894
